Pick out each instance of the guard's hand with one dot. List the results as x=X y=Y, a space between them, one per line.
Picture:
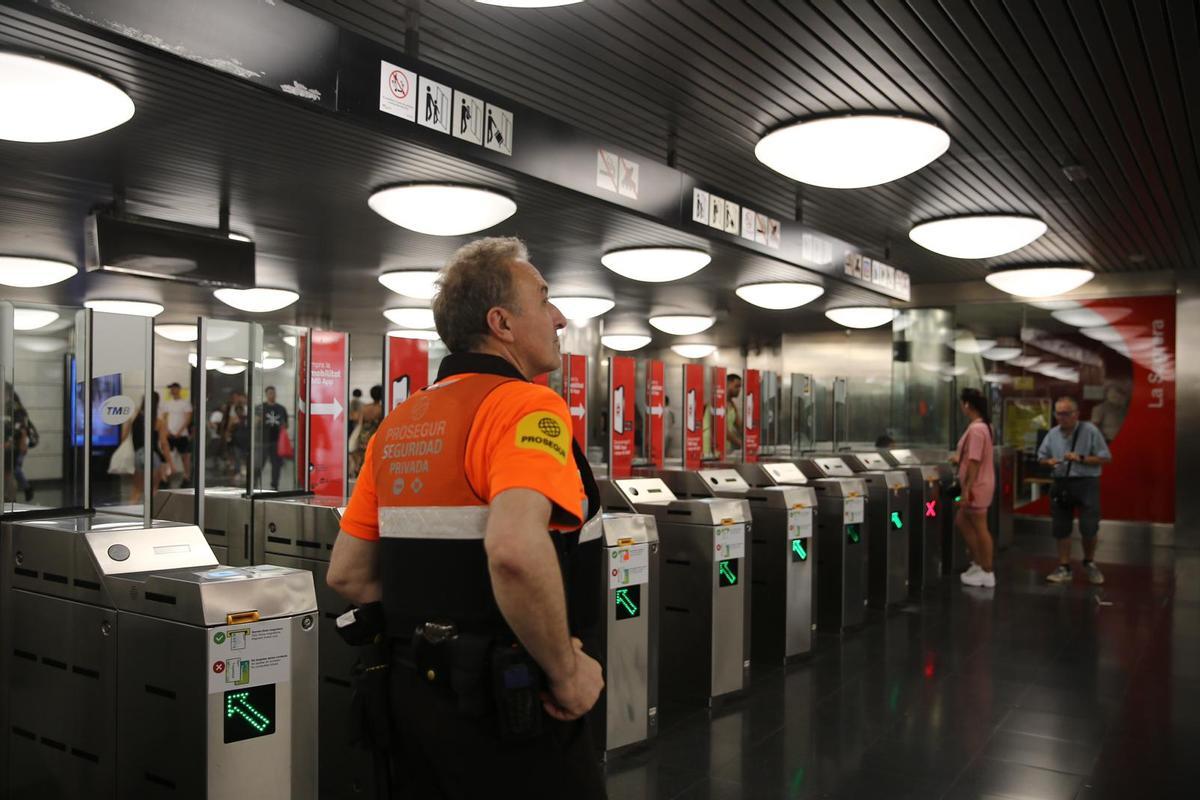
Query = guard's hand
x=574 y=696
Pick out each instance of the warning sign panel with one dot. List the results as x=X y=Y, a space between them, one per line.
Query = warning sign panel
x=700 y=206
x=498 y=130
x=397 y=91
x=628 y=566
x=249 y=655
x=608 y=166
x=468 y=118
x=434 y=105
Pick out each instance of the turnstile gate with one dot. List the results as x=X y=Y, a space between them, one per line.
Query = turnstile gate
x=704 y=646
x=888 y=510
x=228 y=520
x=925 y=518
x=139 y=667
x=842 y=544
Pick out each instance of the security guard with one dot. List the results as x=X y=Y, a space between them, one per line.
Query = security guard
x=465 y=519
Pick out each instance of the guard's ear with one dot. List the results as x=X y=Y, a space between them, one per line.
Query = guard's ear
x=499 y=322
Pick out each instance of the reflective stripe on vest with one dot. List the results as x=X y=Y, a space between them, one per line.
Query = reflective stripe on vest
x=433 y=522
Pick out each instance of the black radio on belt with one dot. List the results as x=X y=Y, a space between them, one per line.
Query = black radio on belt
x=516 y=689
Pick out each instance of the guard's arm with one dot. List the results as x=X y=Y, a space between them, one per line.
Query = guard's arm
x=526 y=578
x=354 y=569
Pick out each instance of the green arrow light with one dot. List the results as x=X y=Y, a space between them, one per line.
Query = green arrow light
x=626 y=602
x=852 y=531
x=798 y=549
x=728 y=573
x=896 y=520
x=237 y=704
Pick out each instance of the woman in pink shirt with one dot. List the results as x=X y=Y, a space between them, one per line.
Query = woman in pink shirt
x=977 y=477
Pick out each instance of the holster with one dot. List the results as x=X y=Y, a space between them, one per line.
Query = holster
x=370 y=718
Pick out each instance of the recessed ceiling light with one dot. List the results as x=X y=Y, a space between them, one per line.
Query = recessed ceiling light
x=29 y=273
x=849 y=152
x=30 y=319
x=44 y=101
x=978 y=235
x=528 y=3
x=1002 y=353
x=582 y=308
x=694 y=350
x=410 y=317
x=257 y=300
x=1039 y=281
x=239 y=237
x=442 y=209
x=1090 y=317
x=682 y=324
x=969 y=345
x=177 y=332
x=133 y=308
x=777 y=296
x=419 y=284
x=428 y=336
x=861 y=316
x=1025 y=362
x=625 y=341
x=656 y=264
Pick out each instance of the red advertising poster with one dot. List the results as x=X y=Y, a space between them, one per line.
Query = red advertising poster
x=575 y=393
x=620 y=410
x=750 y=415
x=327 y=381
x=718 y=413
x=299 y=440
x=1128 y=391
x=655 y=394
x=544 y=378
x=407 y=369
x=693 y=415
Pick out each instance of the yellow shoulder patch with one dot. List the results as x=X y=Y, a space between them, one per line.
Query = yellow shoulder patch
x=545 y=431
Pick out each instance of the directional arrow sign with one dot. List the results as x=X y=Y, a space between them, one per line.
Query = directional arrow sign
x=333 y=409
x=626 y=602
x=578 y=411
x=727 y=573
x=896 y=521
x=238 y=705
x=798 y=549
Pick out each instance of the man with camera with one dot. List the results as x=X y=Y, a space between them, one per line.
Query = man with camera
x=1075 y=451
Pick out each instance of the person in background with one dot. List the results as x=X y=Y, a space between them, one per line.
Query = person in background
x=1076 y=452
x=354 y=412
x=733 y=413
x=160 y=466
x=237 y=433
x=977 y=479
x=22 y=437
x=274 y=419
x=369 y=417
x=177 y=416
x=885 y=442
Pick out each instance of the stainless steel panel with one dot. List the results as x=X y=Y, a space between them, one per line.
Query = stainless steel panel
x=304 y=527
x=732 y=627
x=228 y=519
x=1187 y=410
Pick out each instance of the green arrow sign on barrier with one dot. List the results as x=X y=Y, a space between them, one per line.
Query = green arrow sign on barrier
x=798 y=549
x=626 y=602
x=237 y=704
x=896 y=521
x=727 y=573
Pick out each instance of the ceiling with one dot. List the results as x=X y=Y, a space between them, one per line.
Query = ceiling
x=1023 y=88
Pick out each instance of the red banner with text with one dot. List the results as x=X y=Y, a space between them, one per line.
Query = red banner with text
x=620 y=411
x=750 y=415
x=717 y=416
x=655 y=395
x=693 y=415
x=407 y=369
x=575 y=393
x=327 y=380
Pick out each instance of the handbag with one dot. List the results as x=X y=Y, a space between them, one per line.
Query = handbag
x=122 y=461
x=283 y=447
x=1060 y=495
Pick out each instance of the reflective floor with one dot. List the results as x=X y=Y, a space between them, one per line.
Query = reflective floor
x=1030 y=690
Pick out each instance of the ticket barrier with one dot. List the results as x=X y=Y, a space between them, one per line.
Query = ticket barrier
x=842 y=542
x=299 y=532
x=704 y=646
x=924 y=515
x=627 y=712
x=783 y=589
x=956 y=556
x=139 y=667
x=228 y=519
x=888 y=509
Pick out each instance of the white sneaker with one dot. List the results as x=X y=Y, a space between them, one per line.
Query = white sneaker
x=971 y=570
x=980 y=578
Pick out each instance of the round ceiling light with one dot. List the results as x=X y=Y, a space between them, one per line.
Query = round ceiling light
x=441 y=209
x=419 y=284
x=257 y=300
x=177 y=332
x=239 y=237
x=1114 y=333
x=625 y=341
x=1002 y=353
x=231 y=369
x=133 y=308
x=861 y=316
x=1039 y=281
x=44 y=101
x=582 y=308
x=209 y=363
x=30 y=273
x=694 y=350
x=779 y=296
x=682 y=324
x=978 y=235
x=997 y=377
x=30 y=319
x=969 y=345
x=1025 y=362
x=853 y=151
x=428 y=336
x=273 y=362
x=1090 y=317
x=410 y=317
x=656 y=264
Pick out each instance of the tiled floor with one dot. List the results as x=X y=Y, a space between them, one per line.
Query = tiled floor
x=1026 y=691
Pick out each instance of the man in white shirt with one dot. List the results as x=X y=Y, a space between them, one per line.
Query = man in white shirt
x=177 y=416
